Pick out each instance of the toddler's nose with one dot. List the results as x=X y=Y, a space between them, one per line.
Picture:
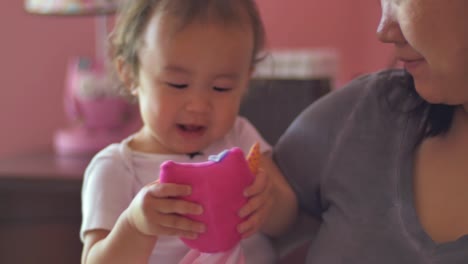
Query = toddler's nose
x=198 y=102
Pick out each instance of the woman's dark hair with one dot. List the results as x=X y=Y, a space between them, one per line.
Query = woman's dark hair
x=436 y=118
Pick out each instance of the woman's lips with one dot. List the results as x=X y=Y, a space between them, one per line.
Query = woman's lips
x=412 y=65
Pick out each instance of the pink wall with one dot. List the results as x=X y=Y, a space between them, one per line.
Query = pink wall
x=348 y=26
x=34 y=51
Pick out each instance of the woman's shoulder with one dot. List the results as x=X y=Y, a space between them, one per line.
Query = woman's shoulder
x=369 y=91
x=386 y=83
x=351 y=112
x=363 y=102
x=369 y=86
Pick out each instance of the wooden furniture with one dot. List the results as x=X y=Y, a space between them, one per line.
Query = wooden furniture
x=40 y=211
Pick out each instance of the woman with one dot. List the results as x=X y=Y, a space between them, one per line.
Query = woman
x=383 y=162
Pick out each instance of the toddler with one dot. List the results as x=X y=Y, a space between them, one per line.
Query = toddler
x=188 y=64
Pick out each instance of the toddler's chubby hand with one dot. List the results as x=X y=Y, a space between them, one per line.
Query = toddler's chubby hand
x=259 y=205
x=156 y=211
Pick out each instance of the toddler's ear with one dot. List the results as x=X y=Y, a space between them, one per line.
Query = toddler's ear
x=124 y=70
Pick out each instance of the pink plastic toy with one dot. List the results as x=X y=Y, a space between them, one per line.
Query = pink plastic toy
x=217 y=185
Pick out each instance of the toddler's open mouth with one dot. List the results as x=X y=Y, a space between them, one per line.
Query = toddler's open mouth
x=191 y=128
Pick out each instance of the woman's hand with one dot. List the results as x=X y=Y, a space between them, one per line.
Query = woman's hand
x=156 y=211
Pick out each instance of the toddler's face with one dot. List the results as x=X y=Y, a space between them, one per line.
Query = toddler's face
x=191 y=82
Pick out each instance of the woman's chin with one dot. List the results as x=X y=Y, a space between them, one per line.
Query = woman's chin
x=436 y=91
x=429 y=93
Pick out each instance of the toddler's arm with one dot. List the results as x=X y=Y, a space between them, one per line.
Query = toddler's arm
x=153 y=212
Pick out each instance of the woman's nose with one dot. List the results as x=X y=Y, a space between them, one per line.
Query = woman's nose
x=388 y=30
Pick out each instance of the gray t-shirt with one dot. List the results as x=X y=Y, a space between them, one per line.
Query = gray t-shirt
x=349 y=158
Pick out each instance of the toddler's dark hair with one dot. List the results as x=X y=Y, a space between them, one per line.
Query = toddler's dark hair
x=126 y=38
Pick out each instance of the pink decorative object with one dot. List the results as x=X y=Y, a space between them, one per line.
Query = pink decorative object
x=218 y=185
x=105 y=112
x=92 y=96
x=99 y=115
x=71 y=7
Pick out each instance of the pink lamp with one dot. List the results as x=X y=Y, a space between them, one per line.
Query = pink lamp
x=98 y=115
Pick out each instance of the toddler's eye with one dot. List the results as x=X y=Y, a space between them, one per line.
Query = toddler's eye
x=221 y=89
x=177 y=85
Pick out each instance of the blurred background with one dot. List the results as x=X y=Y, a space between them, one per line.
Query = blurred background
x=34 y=52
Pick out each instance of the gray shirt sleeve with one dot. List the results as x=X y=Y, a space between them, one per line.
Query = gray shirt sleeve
x=303 y=151
x=349 y=158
